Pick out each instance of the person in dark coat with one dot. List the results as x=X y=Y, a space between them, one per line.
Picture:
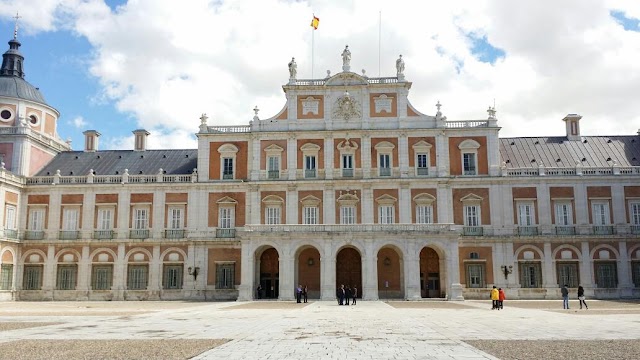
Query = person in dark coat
x=347 y=294
x=340 y=295
x=354 y=294
x=305 y=294
x=581 y=297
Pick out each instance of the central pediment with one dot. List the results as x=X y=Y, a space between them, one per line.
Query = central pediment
x=346 y=78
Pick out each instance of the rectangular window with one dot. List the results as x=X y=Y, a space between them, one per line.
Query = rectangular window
x=70 y=219
x=347 y=165
x=66 y=279
x=531 y=275
x=227 y=168
x=385 y=165
x=225 y=275
x=472 y=215
x=137 y=277
x=606 y=274
x=600 y=213
x=386 y=214
x=635 y=272
x=635 y=213
x=310 y=215
x=424 y=214
x=141 y=219
x=469 y=163
x=525 y=215
x=347 y=215
x=272 y=214
x=105 y=219
x=32 y=277
x=475 y=275
x=175 y=218
x=564 y=216
x=226 y=220
x=10 y=217
x=101 y=277
x=568 y=274
x=172 y=277
x=273 y=167
x=422 y=164
x=36 y=219
x=6 y=276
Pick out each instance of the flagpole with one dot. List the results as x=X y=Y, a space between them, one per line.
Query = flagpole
x=312 y=47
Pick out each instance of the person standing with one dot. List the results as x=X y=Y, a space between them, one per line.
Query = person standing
x=305 y=295
x=501 y=297
x=565 y=297
x=338 y=296
x=347 y=295
x=299 y=294
x=259 y=292
x=581 y=297
x=354 y=293
x=495 y=297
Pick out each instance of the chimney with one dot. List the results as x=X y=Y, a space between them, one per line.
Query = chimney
x=140 y=137
x=572 y=124
x=91 y=140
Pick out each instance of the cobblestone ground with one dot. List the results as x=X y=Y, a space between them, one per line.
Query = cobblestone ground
x=319 y=330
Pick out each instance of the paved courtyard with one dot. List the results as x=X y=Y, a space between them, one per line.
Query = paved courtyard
x=318 y=330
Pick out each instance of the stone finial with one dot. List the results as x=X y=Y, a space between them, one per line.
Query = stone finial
x=329 y=75
x=438 y=106
x=15 y=28
x=203 y=119
x=255 y=111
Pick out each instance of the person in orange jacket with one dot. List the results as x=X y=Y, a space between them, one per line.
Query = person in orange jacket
x=501 y=297
x=495 y=297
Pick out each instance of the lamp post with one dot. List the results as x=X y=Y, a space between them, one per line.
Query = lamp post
x=193 y=271
x=506 y=270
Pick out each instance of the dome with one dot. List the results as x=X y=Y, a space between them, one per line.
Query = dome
x=17 y=87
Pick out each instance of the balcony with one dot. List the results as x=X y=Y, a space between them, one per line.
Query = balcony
x=527 y=230
x=68 y=235
x=422 y=171
x=11 y=233
x=227 y=176
x=310 y=173
x=34 y=234
x=347 y=172
x=139 y=234
x=103 y=234
x=225 y=233
x=603 y=230
x=175 y=233
x=565 y=230
x=337 y=228
x=273 y=174
x=635 y=229
x=472 y=231
x=385 y=171
x=469 y=172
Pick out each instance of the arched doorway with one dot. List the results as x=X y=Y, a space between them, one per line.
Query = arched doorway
x=349 y=269
x=269 y=273
x=390 y=276
x=430 y=276
x=309 y=271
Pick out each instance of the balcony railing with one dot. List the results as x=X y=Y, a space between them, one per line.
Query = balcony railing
x=472 y=231
x=602 y=230
x=225 y=233
x=385 y=171
x=11 y=233
x=103 y=234
x=34 y=234
x=175 y=233
x=139 y=234
x=227 y=176
x=635 y=229
x=428 y=228
x=273 y=174
x=68 y=234
x=310 y=173
x=423 y=171
x=347 y=172
x=527 y=230
x=470 y=172
x=565 y=230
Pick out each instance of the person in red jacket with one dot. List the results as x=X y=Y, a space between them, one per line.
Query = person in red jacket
x=501 y=297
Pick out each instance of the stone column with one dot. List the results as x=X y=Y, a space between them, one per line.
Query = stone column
x=403 y=154
x=84 y=274
x=292 y=157
x=329 y=205
x=124 y=211
x=254 y=205
x=370 y=272
x=412 y=272
x=581 y=209
x=245 y=290
x=158 y=224
x=328 y=151
x=49 y=276
x=444 y=205
x=254 y=171
x=365 y=156
x=442 y=154
x=618 y=205
x=367 y=204
x=544 y=209
x=287 y=274
x=404 y=203
x=155 y=274
x=624 y=270
x=548 y=280
x=88 y=211
x=292 y=204
x=586 y=266
x=119 y=273
x=454 y=290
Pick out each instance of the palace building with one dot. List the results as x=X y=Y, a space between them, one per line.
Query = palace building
x=348 y=184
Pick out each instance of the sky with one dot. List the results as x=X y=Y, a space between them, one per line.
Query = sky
x=117 y=66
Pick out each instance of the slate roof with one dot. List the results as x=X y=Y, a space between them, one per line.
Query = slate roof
x=16 y=87
x=596 y=151
x=114 y=162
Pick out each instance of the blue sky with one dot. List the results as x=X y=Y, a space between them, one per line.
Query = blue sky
x=117 y=66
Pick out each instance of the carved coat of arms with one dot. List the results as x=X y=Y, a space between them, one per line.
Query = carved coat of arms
x=346 y=107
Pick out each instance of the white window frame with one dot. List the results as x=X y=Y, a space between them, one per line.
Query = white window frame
x=563 y=213
x=472 y=215
x=225 y=275
x=600 y=212
x=475 y=275
x=105 y=218
x=10 y=212
x=422 y=149
x=228 y=168
x=526 y=213
x=348 y=214
x=634 y=213
x=137 y=276
x=347 y=150
x=469 y=147
x=70 y=218
x=310 y=158
x=424 y=214
x=384 y=152
x=141 y=217
x=228 y=151
x=175 y=217
x=273 y=158
x=226 y=217
x=66 y=277
x=386 y=209
x=273 y=215
x=36 y=218
x=101 y=276
x=310 y=215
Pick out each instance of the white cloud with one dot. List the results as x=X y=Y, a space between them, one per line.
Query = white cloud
x=165 y=63
x=79 y=122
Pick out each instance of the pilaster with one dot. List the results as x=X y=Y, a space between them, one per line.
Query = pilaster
x=403 y=153
x=370 y=272
x=365 y=156
x=586 y=266
x=328 y=275
x=328 y=157
x=404 y=203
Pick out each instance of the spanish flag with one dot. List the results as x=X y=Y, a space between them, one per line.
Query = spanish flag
x=315 y=22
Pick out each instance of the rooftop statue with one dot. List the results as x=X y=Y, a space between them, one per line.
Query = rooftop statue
x=346 y=58
x=293 y=68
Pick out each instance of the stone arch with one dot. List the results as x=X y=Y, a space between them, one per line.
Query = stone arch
x=604 y=247
x=98 y=251
x=25 y=256
x=533 y=248
x=174 y=249
x=390 y=265
x=573 y=248
x=65 y=251
x=8 y=256
x=349 y=267
x=433 y=271
x=308 y=268
x=267 y=268
x=133 y=251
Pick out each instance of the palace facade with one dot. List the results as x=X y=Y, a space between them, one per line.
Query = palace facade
x=348 y=184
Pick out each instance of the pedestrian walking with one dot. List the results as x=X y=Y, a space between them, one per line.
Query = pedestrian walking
x=299 y=294
x=259 y=292
x=565 y=297
x=305 y=293
x=495 y=297
x=347 y=294
x=581 y=297
x=501 y=297
x=354 y=293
